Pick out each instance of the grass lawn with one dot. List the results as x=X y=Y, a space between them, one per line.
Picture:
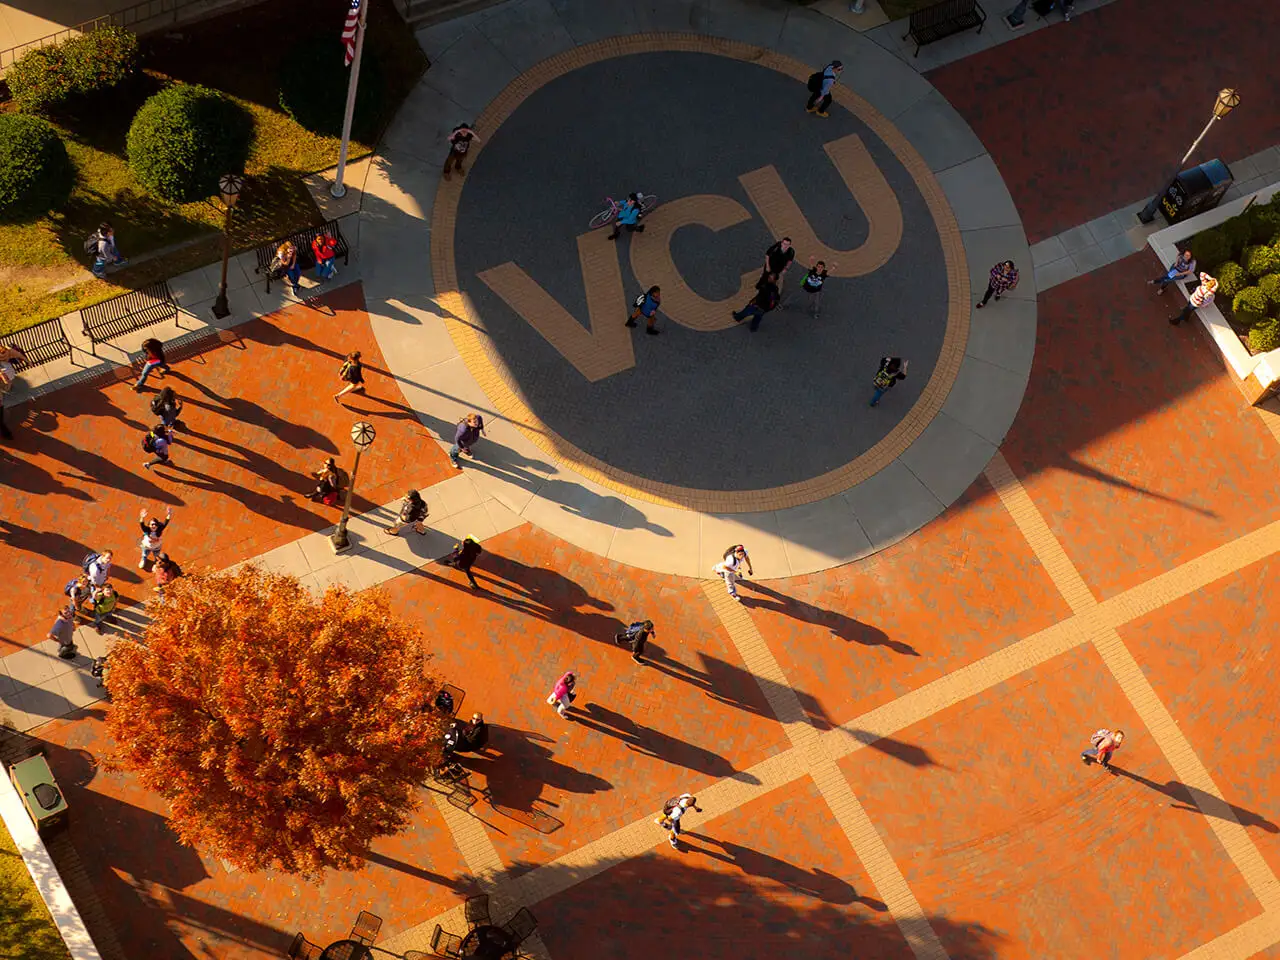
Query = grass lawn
x=42 y=263
x=26 y=929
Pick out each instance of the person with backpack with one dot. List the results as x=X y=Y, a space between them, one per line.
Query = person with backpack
x=812 y=284
x=167 y=407
x=324 y=249
x=463 y=557
x=352 y=374
x=766 y=299
x=777 y=260
x=165 y=572
x=285 y=264
x=820 y=85
x=892 y=369
x=79 y=593
x=562 y=694
x=1102 y=745
x=646 y=305
x=157 y=442
x=460 y=141
x=629 y=217
x=636 y=635
x=103 y=605
x=465 y=436
x=673 y=812
x=97 y=567
x=329 y=484
x=102 y=245
x=1002 y=279
x=413 y=511
x=731 y=566
x=152 y=531
x=154 y=351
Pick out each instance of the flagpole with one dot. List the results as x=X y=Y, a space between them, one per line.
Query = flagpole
x=338 y=190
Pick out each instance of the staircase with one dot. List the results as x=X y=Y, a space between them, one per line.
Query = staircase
x=423 y=13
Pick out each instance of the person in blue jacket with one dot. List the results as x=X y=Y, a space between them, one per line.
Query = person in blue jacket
x=629 y=217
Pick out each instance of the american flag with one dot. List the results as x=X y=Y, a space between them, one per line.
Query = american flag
x=349 y=31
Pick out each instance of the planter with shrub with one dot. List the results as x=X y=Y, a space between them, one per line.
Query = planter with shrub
x=36 y=175
x=46 y=77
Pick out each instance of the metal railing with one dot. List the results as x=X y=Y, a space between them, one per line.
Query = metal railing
x=142 y=17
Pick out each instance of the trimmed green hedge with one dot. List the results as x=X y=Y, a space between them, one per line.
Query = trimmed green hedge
x=45 y=77
x=1238 y=232
x=1264 y=336
x=1231 y=279
x=313 y=89
x=1259 y=261
x=184 y=138
x=1210 y=248
x=36 y=175
x=1250 y=300
x=1265 y=221
x=1270 y=287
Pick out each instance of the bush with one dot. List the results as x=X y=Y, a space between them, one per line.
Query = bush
x=1270 y=287
x=1210 y=248
x=1259 y=261
x=47 y=76
x=1238 y=232
x=313 y=89
x=35 y=173
x=1265 y=221
x=1231 y=279
x=1264 y=336
x=1250 y=300
x=184 y=138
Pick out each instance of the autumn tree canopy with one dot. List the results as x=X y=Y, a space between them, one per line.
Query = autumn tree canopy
x=282 y=730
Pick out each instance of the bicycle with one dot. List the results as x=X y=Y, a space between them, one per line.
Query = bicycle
x=605 y=217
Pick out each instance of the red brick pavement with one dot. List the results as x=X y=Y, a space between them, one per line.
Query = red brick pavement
x=1132 y=440
x=1086 y=117
x=260 y=420
x=1005 y=825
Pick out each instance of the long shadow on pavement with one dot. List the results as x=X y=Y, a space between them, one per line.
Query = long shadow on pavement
x=1195 y=801
x=844 y=627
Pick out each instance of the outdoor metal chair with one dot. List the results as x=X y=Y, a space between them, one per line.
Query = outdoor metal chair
x=304 y=949
x=366 y=928
x=444 y=943
x=476 y=910
x=521 y=926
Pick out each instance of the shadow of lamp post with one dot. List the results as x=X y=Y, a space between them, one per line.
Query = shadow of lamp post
x=362 y=435
x=229 y=185
x=1227 y=101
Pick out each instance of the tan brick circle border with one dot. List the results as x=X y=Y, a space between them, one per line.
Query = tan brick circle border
x=490 y=371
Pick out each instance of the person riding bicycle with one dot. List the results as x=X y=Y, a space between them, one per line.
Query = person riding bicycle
x=629 y=217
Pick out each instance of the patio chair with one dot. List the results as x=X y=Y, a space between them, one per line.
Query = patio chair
x=444 y=943
x=521 y=926
x=303 y=949
x=366 y=928
x=476 y=910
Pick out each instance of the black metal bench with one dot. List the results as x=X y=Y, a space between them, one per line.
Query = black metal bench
x=302 y=240
x=41 y=343
x=128 y=312
x=943 y=19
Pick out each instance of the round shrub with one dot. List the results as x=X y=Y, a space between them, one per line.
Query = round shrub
x=1265 y=221
x=1231 y=279
x=314 y=92
x=35 y=173
x=1259 y=261
x=44 y=77
x=1210 y=248
x=184 y=138
x=1270 y=287
x=1238 y=232
x=1264 y=336
x=1250 y=300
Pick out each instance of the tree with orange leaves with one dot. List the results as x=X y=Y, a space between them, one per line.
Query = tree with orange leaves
x=282 y=730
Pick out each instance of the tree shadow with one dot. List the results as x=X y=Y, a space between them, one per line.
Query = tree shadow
x=844 y=627
x=297 y=435
x=1194 y=800
x=908 y=753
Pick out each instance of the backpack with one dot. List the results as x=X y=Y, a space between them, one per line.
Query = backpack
x=815 y=82
x=91 y=243
x=88 y=561
x=1099 y=736
x=155 y=404
x=148 y=443
x=638 y=302
x=276 y=270
x=70 y=585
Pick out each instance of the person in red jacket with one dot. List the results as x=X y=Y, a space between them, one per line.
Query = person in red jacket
x=324 y=249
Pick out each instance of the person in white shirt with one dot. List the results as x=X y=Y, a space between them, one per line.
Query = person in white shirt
x=100 y=569
x=672 y=812
x=730 y=568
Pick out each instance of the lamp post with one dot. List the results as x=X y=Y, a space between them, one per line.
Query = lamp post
x=229 y=185
x=1227 y=101
x=362 y=435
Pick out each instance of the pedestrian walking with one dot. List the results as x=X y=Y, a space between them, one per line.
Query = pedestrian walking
x=79 y=593
x=892 y=369
x=777 y=259
x=730 y=568
x=1183 y=268
x=1003 y=278
x=673 y=812
x=285 y=264
x=460 y=141
x=636 y=636
x=103 y=605
x=820 y=85
x=646 y=305
x=766 y=299
x=324 y=248
x=63 y=633
x=105 y=252
x=153 y=350
x=412 y=512
x=152 y=531
x=628 y=216
x=813 y=282
x=463 y=557
x=1102 y=745
x=562 y=694
x=167 y=407
x=352 y=374
x=465 y=436
x=97 y=566
x=157 y=442
x=1201 y=296
x=328 y=483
